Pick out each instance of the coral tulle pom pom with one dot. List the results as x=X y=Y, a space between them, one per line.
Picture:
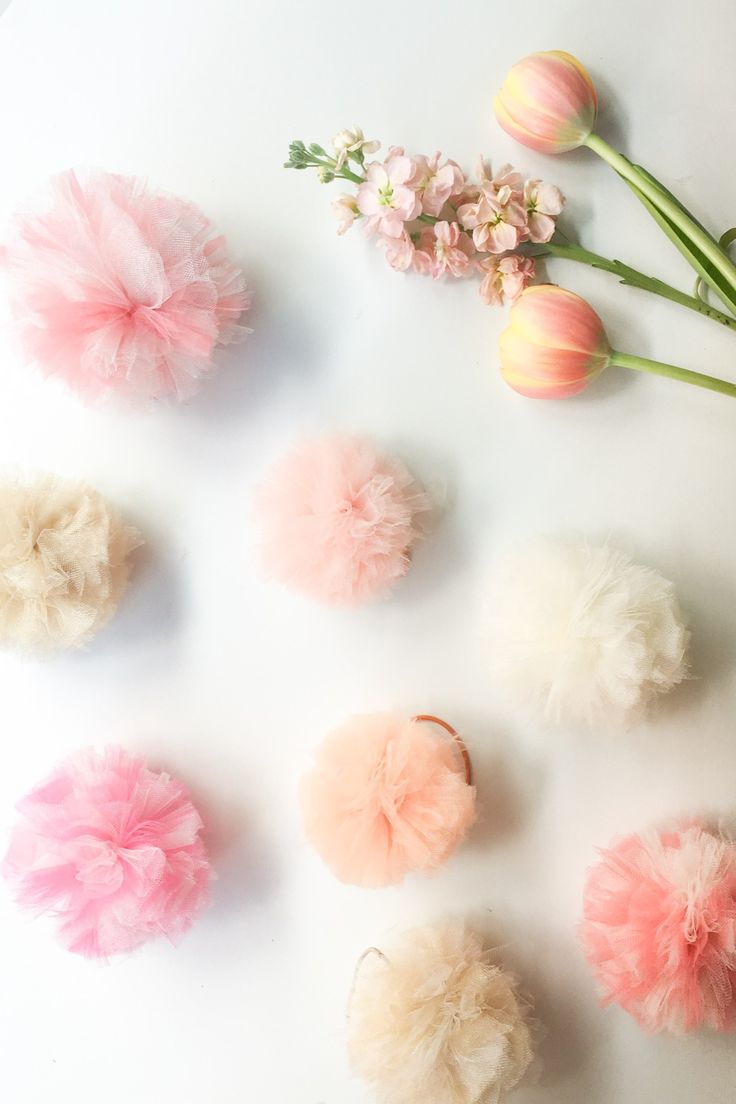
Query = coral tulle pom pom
x=338 y=520
x=659 y=928
x=118 y=289
x=388 y=796
x=434 y=1021
x=63 y=564
x=113 y=850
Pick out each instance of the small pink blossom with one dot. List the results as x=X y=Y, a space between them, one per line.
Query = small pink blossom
x=436 y=183
x=443 y=249
x=498 y=217
x=346 y=210
x=349 y=141
x=386 y=197
x=543 y=203
x=399 y=251
x=505 y=278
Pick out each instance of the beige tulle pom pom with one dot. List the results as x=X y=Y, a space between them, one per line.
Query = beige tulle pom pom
x=63 y=564
x=433 y=1021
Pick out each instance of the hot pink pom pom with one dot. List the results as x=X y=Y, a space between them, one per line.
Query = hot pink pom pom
x=113 y=850
x=659 y=928
x=387 y=796
x=118 y=289
x=338 y=520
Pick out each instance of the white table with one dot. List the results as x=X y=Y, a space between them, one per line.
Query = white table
x=229 y=682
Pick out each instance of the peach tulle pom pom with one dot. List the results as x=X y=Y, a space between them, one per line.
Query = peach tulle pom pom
x=338 y=520
x=387 y=796
x=435 y=1021
x=659 y=928
x=113 y=850
x=115 y=288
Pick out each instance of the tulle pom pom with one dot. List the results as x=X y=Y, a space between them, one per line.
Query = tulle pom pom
x=433 y=1021
x=63 y=564
x=118 y=289
x=583 y=634
x=339 y=520
x=659 y=928
x=111 y=849
x=387 y=796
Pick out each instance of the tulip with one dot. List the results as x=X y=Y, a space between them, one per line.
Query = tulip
x=555 y=344
x=548 y=102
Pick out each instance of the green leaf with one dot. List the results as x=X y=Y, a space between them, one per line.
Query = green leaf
x=695 y=258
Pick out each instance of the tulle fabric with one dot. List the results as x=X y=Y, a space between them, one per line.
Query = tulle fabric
x=659 y=928
x=118 y=289
x=113 y=850
x=386 y=796
x=339 y=520
x=434 y=1021
x=64 y=564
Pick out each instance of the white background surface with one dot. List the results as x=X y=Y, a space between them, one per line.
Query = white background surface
x=229 y=683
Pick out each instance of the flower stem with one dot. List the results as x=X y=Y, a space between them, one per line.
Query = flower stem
x=630 y=276
x=672 y=210
x=643 y=364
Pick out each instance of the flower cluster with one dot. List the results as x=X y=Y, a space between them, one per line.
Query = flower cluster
x=429 y=217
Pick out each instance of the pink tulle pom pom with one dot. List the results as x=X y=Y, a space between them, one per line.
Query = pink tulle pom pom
x=117 y=289
x=388 y=796
x=659 y=928
x=338 y=520
x=113 y=850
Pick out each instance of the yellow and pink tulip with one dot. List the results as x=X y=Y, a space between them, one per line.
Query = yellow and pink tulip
x=555 y=344
x=549 y=103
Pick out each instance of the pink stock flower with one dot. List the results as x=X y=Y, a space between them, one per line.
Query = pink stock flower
x=443 y=248
x=352 y=141
x=386 y=197
x=346 y=210
x=505 y=278
x=400 y=251
x=543 y=203
x=497 y=218
x=436 y=184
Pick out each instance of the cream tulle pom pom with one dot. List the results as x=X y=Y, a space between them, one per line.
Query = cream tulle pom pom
x=433 y=1021
x=63 y=564
x=338 y=520
x=582 y=633
x=387 y=796
x=659 y=928
x=116 y=288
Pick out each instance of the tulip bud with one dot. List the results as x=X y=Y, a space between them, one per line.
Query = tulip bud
x=547 y=102
x=553 y=345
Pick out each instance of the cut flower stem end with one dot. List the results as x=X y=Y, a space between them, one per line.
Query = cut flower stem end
x=657 y=368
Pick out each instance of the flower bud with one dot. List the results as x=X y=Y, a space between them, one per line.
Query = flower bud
x=547 y=102
x=553 y=345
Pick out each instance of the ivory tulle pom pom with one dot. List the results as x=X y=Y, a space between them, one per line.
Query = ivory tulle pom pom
x=113 y=850
x=118 y=289
x=338 y=520
x=433 y=1021
x=388 y=796
x=659 y=928
x=63 y=564
x=583 y=634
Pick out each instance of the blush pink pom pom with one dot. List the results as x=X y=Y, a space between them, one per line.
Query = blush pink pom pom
x=117 y=289
x=386 y=797
x=338 y=520
x=659 y=928
x=113 y=850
